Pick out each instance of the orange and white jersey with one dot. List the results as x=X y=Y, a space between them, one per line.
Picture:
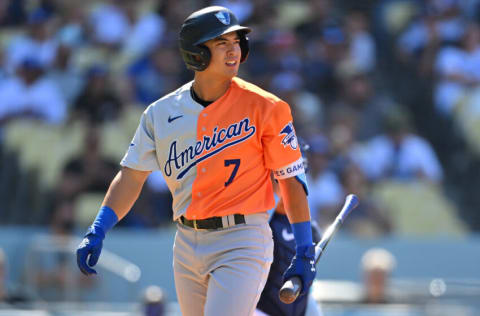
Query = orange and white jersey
x=217 y=159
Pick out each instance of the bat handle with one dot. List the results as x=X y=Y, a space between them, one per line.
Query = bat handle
x=290 y=290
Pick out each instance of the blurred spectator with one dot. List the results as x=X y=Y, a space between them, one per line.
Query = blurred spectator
x=439 y=24
x=458 y=70
x=97 y=102
x=263 y=18
x=370 y=218
x=307 y=108
x=146 y=30
x=109 y=23
x=441 y=20
x=401 y=154
x=360 y=41
x=358 y=105
x=325 y=191
x=342 y=142
x=88 y=172
x=242 y=9
x=277 y=53
x=377 y=265
x=37 y=43
x=31 y=95
x=72 y=29
x=121 y=24
x=324 y=52
x=174 y=12
x=319 y=13
x=154 y=301
x=154 y=75
x=12 y=12
x=49 y=6
x=65 y=75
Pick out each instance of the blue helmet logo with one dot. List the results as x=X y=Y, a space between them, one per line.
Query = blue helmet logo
x=223 y=17
x=290 y=139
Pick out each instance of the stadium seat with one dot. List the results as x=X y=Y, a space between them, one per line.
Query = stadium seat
x=467 y=119
x=86 y=208
x=418 y=208
x=116 y=135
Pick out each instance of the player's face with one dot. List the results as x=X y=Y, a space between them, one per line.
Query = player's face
x=225 y=55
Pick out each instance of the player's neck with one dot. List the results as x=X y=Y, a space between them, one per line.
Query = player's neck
x=210 y=90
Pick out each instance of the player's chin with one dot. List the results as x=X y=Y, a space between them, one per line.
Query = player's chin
x=231 y=71
x=229 y=74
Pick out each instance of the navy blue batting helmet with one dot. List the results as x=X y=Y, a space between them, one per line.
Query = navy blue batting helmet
x=204 y=25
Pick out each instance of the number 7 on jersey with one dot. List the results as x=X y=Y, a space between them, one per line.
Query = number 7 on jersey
x=229 y=162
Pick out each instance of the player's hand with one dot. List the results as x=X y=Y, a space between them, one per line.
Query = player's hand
x=90 y=248
x=303 y=266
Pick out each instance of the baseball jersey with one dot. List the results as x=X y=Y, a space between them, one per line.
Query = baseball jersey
x=217 y=160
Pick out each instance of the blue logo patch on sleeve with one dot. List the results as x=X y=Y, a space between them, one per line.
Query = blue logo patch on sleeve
x=290 y=139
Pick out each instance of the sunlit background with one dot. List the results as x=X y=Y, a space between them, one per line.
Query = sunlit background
x=386 y=93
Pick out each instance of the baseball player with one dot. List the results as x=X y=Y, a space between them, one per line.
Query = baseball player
x=283 y=251
x=216 y=140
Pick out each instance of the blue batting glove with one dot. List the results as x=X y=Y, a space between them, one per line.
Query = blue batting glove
x=302 y=266
x=90 y=248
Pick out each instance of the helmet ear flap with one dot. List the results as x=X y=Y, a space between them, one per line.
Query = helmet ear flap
x=205 y=56
x=244 y=47
x=198 y=58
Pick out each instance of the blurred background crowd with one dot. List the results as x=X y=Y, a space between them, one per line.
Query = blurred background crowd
x=385 y=92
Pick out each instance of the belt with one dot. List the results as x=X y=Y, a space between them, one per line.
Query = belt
x=213 y=222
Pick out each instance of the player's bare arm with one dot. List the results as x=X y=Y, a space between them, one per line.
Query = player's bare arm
x=124 y=190
x=294 y=200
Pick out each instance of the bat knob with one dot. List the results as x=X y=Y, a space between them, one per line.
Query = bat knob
x=287 y=296
x=290 y=290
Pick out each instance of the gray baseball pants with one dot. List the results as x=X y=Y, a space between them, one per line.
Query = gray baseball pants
x=222 y=272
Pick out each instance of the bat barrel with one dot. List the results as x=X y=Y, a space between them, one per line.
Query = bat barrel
x=351 y=202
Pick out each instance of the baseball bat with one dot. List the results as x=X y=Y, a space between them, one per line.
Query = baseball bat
x=291 y=288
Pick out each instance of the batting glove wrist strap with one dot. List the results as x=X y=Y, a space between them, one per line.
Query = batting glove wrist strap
x=105 y=220
x=303 y=233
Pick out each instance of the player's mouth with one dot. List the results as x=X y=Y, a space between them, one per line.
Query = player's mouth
x=231 y=63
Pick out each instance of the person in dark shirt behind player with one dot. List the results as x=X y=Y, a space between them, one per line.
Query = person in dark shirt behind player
x=283 y=252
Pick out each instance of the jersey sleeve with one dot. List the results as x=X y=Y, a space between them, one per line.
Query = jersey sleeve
x=281 y=151
x=141 y=154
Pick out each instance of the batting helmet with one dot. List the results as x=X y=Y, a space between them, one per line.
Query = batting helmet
x=204 y=25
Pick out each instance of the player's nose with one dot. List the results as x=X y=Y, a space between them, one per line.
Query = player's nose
x=233 y=52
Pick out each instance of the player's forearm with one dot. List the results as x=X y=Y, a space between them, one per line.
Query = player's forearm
x=124 y=190
x=294 y=200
